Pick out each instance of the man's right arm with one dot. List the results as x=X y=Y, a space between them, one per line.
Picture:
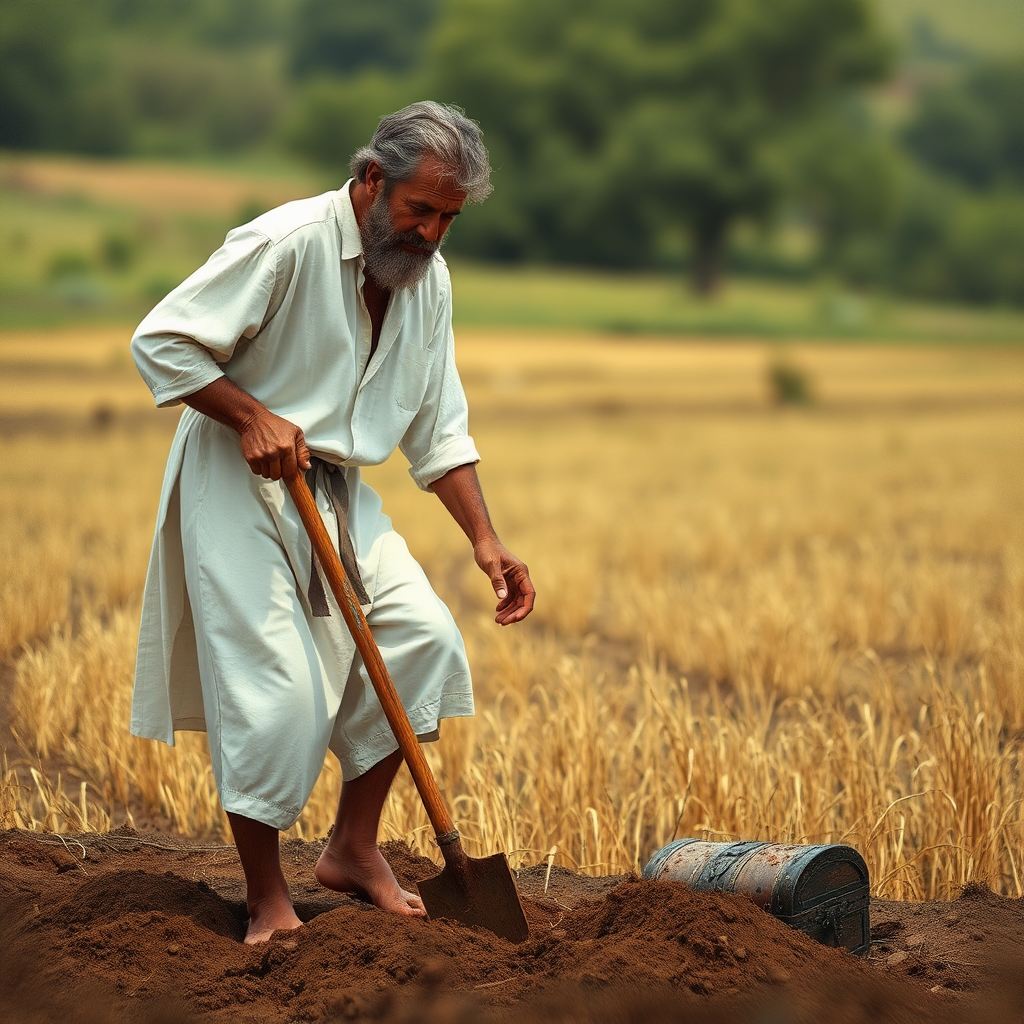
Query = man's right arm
x=187 y=340
x=272 y=446
x=182 y=346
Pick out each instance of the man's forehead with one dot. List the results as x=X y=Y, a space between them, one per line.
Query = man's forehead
x=432 y=183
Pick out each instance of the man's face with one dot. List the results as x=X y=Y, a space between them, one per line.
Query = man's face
x=405 y=225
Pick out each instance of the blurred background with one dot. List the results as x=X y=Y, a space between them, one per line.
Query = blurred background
x=796 y=167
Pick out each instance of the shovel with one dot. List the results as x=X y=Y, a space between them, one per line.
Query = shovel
x=474 y=890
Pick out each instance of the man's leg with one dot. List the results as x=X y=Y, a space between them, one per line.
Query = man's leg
x=266 y=891
x=269 y=699
x=423 y=651
x=352 y=861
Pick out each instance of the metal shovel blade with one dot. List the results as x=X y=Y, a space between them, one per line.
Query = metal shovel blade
x=476 y=890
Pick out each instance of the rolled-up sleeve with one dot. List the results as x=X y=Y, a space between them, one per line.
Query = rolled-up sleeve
x=180 y=345
x=438 y=440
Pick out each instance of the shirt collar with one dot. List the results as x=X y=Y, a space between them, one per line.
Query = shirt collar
x=351 y=241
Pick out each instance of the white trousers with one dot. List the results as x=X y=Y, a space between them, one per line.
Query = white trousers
x=281 y=686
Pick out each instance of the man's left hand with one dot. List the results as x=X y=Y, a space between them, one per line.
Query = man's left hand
x=510 y=579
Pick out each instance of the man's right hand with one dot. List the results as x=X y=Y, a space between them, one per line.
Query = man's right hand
x=272 y=446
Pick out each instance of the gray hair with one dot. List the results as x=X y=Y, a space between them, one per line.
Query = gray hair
x=404 y=138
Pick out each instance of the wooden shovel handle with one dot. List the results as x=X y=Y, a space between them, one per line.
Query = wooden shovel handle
x=379 y=675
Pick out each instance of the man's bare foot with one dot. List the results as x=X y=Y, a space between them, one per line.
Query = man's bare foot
x=269 y=917
x=366 y=872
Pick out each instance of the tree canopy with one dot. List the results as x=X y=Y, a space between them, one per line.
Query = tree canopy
x=973 y=131
x=616 y=126
x=645 y=134
x=347 y=36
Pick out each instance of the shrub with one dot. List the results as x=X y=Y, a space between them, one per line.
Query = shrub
x=789 y=384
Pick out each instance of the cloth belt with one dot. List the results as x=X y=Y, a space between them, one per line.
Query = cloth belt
x=330 y=479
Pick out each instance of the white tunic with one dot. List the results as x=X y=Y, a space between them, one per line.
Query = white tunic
x=279 y=310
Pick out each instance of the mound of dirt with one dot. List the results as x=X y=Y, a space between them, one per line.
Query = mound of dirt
x=142 y=927
x=113 y=897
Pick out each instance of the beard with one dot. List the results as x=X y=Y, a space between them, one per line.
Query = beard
x=384 y=259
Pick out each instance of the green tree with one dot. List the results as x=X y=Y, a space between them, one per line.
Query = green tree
x=333 y=117
x=973 y=131
x=342 y=37
x=955 y=245
x=114 y=76
x=849 y=183
x=38 y=71
x=225 y=24
x=613 y=124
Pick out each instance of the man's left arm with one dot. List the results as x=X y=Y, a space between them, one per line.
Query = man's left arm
x=459 y=490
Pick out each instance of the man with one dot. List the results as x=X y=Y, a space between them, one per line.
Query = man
x=317 y=338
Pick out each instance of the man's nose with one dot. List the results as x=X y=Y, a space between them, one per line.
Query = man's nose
x=430 y=230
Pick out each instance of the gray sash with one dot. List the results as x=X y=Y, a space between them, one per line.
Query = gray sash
x=331 y=480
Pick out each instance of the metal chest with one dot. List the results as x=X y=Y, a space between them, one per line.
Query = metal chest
x=821 y=890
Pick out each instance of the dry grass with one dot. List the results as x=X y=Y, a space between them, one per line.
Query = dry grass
x=804 y=625
x=149 y=186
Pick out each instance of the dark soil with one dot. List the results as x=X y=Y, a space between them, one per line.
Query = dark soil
x=145 y=927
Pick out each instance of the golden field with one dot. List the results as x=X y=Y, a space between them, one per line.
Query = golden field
x=803 y=624
x=151 y=186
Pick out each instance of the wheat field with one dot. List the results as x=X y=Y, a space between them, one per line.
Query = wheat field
x=803 y=624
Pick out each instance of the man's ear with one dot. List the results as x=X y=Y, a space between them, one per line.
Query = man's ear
x=374 y=178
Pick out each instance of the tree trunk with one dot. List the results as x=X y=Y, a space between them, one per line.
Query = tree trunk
x=708 y=256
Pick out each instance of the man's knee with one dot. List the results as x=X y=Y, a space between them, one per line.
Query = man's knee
x=442 y=637
x=432 y=634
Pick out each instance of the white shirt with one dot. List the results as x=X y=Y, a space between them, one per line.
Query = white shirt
x=279 y=310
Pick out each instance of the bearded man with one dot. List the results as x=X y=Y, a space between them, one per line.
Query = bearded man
x=317 y=338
